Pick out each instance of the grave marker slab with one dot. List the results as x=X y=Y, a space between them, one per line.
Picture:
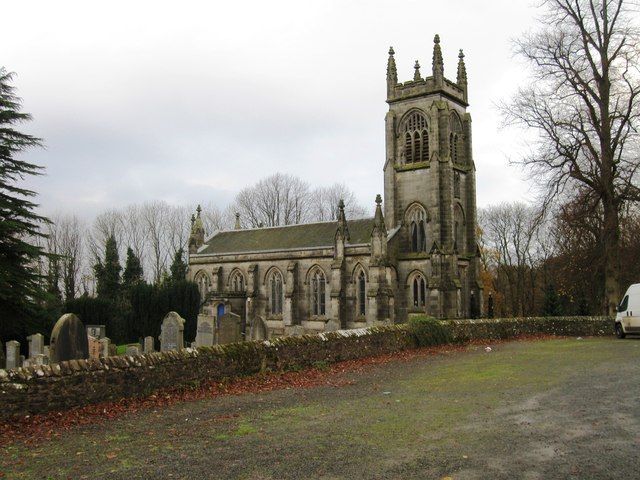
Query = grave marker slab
x=95 y=348
x=149 y=345
x=36 y=344
x=68 y=339
x=105 y=344
x=133 y=349
x=13 y=354
x=97 y=331
x=172 y=336
x=206 y=331
x=230 y=330
x=258 y=329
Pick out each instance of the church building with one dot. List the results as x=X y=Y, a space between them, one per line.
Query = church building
x=418 y=254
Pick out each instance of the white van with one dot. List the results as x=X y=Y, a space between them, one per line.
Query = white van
x=628 y=316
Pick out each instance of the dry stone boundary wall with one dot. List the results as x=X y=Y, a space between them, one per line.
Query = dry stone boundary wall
x=75 y=383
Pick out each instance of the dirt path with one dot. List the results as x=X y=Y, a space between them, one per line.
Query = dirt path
x=547 y=409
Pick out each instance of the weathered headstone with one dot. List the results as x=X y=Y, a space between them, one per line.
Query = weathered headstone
x=133 y=349
x=39 y=360
x=172 y=336
x=36 y=344
x=149 y=345
x=68 y=339
x=113 y=349
x=206 y=331
x=105 y=343
x=45 y=351
x=97 y=331
x=95 y=348
x=258 y=329
x=13 y=354
x=230 y=330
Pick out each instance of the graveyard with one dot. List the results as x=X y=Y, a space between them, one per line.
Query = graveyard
x=527 y=406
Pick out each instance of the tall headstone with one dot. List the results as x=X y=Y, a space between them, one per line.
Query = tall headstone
x=257 y=329
x=13 y=354
x=230 y=330
x=68 y=339
x=95 y=348
x=105 y=342
x=36 y=344
x=149 y=345
x=206 y=331
x=97 y=331
x=172 y=332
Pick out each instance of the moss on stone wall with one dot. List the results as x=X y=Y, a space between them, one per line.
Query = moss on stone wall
x=81 y=382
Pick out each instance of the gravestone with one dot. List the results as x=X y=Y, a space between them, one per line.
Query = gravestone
x=96 y=331
x=45 y=351
x=258 y=329
x=68 y=339
x=36 y=344
x=133 y=349
x=230 y=330
x=105 y=343
x=39 y=360
x=113 y=349
x=13 y=354
x=149 y=345
x=206 y=331
x=172 y=332
x=95 y=348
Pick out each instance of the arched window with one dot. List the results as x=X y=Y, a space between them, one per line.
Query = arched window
x=456 y=184
x=455 y=139
x=318 y=290
x=275 y=293
x=416 y=138
x=458 y=228
x=236 y=282
x=419 y=291
x=362 y=294
x=202 y=280
x=416 y=218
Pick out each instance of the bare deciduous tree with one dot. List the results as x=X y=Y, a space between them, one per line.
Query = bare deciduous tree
x=584 y=104
x=323 y=203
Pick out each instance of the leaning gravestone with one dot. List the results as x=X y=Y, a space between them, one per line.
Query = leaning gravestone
x=205 y=332
x=149 y=345
x=13 y=354
x=68 y=339
x=258 y=329
x=230 y=330
x=172 y=332
x=36 y=344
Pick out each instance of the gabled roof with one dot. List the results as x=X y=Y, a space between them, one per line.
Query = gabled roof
x=290 y=237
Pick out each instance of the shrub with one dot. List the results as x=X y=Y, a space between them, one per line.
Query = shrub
x=428 y=331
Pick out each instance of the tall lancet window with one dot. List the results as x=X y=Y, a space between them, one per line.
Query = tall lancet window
x=419 y=291
x=456 y=150
x=416 y=218
x=318 y=291
x=416 y=138
x=362 y=294
x=275 y=293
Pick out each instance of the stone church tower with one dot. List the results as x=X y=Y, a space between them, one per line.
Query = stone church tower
x=430 y=191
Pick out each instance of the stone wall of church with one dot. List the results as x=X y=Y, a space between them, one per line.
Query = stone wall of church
x=296 y=270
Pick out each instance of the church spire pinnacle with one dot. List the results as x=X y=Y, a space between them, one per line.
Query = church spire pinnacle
x=416 y=73
x=378 y=219
x=392 y=72
x=462 y=74
x=438 y=63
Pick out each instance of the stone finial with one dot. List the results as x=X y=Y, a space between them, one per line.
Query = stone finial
x=198 y=210
x=193 y=220
x=392 y=72
x=438 y=62
x=196 y=238
x=343 y=229
x=237 y=225
x=416 y=73
x=378 y=219
x=462 y=74
x=378 y=199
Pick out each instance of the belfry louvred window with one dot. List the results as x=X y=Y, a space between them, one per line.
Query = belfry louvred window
x=416 y=139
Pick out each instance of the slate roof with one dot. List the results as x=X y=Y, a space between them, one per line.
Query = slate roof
x=291 y=237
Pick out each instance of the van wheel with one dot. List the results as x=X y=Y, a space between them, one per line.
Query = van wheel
x=619 y=332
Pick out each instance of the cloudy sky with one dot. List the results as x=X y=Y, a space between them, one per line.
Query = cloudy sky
x=190 y=101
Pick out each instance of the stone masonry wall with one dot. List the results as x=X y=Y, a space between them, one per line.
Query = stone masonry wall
x=80 y=382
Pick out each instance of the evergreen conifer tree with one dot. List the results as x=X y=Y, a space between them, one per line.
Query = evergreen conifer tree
x=108 y=273
x=178 y=267
x=22 y=287
x=133 y=273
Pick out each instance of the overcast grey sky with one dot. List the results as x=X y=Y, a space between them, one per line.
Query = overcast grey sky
x=190 y=101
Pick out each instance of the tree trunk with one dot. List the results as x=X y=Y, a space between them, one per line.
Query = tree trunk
x=611 y=245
